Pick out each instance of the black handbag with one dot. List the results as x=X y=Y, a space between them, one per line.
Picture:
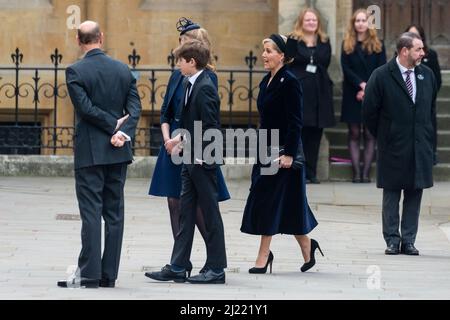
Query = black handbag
x=299 y=159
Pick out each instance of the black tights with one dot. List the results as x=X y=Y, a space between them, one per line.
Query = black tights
x=354 y=134
x=175 y=214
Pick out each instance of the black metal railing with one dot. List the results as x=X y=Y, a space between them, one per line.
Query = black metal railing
x=36 y=116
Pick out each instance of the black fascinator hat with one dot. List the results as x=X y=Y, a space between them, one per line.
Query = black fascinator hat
x=184 y=25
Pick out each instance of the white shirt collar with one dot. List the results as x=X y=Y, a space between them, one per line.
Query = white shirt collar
x=402 y=68
x=194 y=77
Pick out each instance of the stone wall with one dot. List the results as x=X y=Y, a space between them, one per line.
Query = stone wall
x=37 y=27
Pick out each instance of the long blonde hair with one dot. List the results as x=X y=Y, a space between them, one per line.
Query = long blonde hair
x=298 y=28
x=371 y=44
x=203 y=36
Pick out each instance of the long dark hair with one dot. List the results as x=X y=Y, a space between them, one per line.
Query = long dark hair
x=421 y=34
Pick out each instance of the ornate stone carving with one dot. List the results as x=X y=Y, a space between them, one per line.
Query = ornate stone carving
x=207 y=5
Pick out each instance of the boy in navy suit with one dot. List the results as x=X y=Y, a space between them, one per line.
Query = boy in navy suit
x=199 y=179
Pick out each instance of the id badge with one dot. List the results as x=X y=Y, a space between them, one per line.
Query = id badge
x=311 y=68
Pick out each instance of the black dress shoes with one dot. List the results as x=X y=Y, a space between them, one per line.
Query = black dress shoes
x=207 y=278
x=392 y=249
x=166 y=274
x=79 y=283
x=106 y=283
x=202 y=270
x=409 y=249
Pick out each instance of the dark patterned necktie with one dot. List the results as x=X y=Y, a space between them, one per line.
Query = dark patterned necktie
x=186 y=96
x=409 y=84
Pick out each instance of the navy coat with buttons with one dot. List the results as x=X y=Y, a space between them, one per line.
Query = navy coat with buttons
x=357 y=67
x=404 y=129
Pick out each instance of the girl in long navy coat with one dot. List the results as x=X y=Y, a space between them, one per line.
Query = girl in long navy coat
x=362 y=53
x=166 y=180
x=277 y=203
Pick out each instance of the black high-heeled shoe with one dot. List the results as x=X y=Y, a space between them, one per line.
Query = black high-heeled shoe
x=312 y=261
x=263 y=269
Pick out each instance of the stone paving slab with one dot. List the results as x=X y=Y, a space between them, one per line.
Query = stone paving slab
x=37 y=246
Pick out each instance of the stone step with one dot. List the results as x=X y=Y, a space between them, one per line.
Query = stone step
x=338 y=137
x=444 y=154
x=442 y=119
x=343 y=172
x=342 y=152
x=442 y=106
x=444 y=92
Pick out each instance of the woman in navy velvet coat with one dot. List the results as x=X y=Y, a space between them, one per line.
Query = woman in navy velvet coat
x=277 y=203
x=362 y=53
x=166 y=180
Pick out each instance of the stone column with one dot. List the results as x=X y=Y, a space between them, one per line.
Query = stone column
x=335 y=16
x=288 y=11
x=344 y=13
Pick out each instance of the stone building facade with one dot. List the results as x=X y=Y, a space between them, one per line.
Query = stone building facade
x=38 y=27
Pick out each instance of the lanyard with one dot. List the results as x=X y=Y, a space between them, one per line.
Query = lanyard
x=311 y=58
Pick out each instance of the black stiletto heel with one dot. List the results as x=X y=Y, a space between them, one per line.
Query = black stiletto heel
x=312 y=261
x=263 y=269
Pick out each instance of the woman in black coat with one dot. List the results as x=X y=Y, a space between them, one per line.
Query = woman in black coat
x=311 y=50
x=277 y=202
x=431 y=58
x=362 y=53
x=431 y=61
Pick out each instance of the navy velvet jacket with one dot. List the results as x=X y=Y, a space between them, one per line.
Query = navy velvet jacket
x=280 y=106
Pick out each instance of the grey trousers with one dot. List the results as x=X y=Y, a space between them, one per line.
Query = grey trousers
x=100 y=194
x=410 y=216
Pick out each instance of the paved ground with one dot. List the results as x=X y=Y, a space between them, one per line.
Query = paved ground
x=37 y=246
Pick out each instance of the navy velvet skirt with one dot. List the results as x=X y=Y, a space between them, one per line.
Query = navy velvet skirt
x=278 y=204
x=166 y=180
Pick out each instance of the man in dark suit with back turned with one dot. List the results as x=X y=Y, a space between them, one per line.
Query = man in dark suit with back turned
x=399 y=108
x=107 y=105
x=199 y=178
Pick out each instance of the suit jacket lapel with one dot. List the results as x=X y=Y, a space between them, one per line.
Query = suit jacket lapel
x=183 y=107
x=397 y=75
x=194 y=89
x=419 y=83
x=185 y=84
